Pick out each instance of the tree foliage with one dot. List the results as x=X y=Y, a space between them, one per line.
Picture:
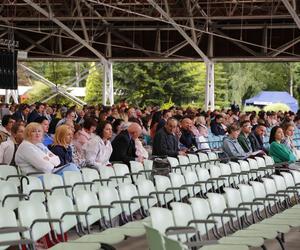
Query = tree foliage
x=93 y=88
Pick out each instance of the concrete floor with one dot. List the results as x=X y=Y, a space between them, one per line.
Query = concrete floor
x=292 y=242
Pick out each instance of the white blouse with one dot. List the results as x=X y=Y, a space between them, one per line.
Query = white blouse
x=7 y=149
x=35 y=157
x=96 y=152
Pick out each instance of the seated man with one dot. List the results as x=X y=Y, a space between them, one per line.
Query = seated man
x=243 y=138
x=256 y=138
x=187 y=138
x=165 y=142
x=124 y=146
x=216 y=126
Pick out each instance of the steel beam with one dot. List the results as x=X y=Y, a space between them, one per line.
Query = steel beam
x=209 y=87
x=52 y=85
x=292 y=12
x=284 y=47
x=67 y=30
x=180 y=30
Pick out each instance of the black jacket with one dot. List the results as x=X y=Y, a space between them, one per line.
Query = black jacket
x=123 y=148
x=217 y=128
x=165 y=144
x=187 y=139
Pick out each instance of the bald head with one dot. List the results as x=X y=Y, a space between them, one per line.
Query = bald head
x=134 y=130
x=186 y=123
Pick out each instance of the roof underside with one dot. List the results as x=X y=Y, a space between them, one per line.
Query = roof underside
x=153 y=30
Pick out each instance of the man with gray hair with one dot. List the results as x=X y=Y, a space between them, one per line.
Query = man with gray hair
x=124 y=146
x=165 y=142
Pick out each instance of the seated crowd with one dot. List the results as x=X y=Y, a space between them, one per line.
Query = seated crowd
x=53 y=139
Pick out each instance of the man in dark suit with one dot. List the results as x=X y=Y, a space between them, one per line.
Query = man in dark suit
x=22 y=113
x=123 y=145
x=38 y=111
x=216 y=126
x=256 y=138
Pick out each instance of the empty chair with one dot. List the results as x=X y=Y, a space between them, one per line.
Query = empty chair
x=9 y=195
x=10 y=173
x=137 y=171
x=32 y=214
x=203 y=159
x=55 y=183
x=147 y=188
x=163 y=183
x=61 y=207
x=128 y=193
x=148 y=165
x=34 y=188
x=107 y=175
x=240 y=176
x=184 y=161
x=254 y=167
x=176 y=167
x=121 y=170
x=192 y=183
x=178 y=186
x=109 y=196
x=91 y=175
x=193 y=158
x=205 y=180
x=8 y=220
x=212 y=156
x=74 y=179
x=245 y=168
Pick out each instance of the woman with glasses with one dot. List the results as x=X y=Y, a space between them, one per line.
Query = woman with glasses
x=32 y=155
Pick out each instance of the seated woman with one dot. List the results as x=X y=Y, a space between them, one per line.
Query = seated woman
x=32 y=155
x=98 y=149
x=61 y=147
x=231 y=146
x=288 y=131
x=47 y=139
x=279 y=151
x=8 y=148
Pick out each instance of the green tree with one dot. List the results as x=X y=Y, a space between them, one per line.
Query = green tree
x=93 y=88
x=155 y=83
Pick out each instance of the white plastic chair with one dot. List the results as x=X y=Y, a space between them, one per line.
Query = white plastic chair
x=175 y=166
x=122 y=170
x=9 y=195
x=184 y=161
x=138 y=172
x=163 y=183
x=34 y=189
x=32 y=214
x=54 y=183
x=10 y=173
x=74 y=179
x=192 y=183
x=178 y=186
x=107 y=175
x=91 y=175
x=147 y=188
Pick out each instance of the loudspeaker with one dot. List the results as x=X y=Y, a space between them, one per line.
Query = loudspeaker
x=8 y=70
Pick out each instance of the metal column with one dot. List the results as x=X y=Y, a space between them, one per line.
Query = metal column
x=108 y=84
x=11 y=93
x=210 y=86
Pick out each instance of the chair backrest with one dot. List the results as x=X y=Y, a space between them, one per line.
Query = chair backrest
x=260 y=162
x=182 y=214
x=217 y=205
x=203 y=175
x=85 y=199
x=28 y=212
x=226 y=170
x=8 y=188
x=193 y=158
x=202 y=158
x=121 y=170
x=148 y=164
x=8 y=219
x=90 y=175
x=162 y=183
x=191 y=178
x=33 y=185
x=53 y=180
x=57 y=205
x=215 y=172
x=252 y=163
x=296 y=175
x=201 y=210
x=183 y=159
x=212 y=156
x=136 y=167
x=71 y=178
x=248 y=195
x=269 y=185
x=106 y=173
x=6 y=173
x=280 y=183
x=145 y=187
x=161 y=219
x=173 y=161
x=269 y=160
x=154 y=239
x=177 y=180
x=233 y=199
x=126 y=192
x=258 y=189
x=288 y=178
x=107 y=195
